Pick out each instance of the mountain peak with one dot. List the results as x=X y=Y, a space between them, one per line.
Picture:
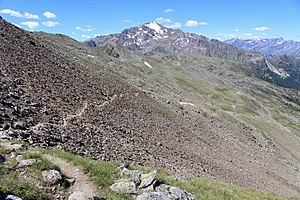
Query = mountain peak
x=155 y=26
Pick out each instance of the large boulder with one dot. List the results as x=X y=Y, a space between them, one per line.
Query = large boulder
x=124 y=187
x=78 y=195
x=153 y=196
x=147 y=179
x=135 y=175
x=174 y=192
x=51 y=177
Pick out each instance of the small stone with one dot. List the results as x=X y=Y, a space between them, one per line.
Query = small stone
x=2 y=159
x=124 y=166
x=19 y=157
x=19 y=125
x=71 y=180
x=28 y=162
x=124 y=187
x=147 y=179
x=51 y=177
x=78 y=195
x=12 y=197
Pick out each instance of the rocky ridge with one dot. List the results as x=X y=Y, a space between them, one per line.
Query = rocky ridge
x=272 y=46
x=154 y=39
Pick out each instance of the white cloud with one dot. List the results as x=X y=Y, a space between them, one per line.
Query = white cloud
x=162 y=20
x=127 y=20
x=202 y=23
x=175 y=25
x=50 y=23
x=262 y=28
x=30 y=24
x=194 y=23
x=18 y=14
x=191 y=23
x=87 y=30
x=236 y=30
x=168 y=10
x=49 y=14
x=86 y=36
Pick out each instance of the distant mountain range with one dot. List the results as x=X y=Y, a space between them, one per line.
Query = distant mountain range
x=272 y=47
x=154 y=39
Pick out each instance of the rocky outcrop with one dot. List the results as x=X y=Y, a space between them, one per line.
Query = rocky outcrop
x=51 y=177
x=28 y=162
x=147 y=187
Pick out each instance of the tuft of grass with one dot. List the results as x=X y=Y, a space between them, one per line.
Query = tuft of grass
x=209 y=189
x=43 y=165
x=10 y=183
x=102 y=173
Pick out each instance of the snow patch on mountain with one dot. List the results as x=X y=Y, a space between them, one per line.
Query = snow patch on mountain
x=147 y=64
x=278 y=71
x=156 y=27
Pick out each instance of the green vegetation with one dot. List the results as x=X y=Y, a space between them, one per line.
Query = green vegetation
x=11 y=183
x=106 y=173
x=102 y=173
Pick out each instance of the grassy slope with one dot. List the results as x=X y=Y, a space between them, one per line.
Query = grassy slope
x=105 y=173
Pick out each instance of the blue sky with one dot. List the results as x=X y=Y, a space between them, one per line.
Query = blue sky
x=212 y=18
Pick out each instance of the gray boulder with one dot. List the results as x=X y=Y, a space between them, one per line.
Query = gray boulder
x=78 y=195
x=135 y=175
x=153 y=196
x=12 y=197
x=14 y=147
x=147 y=179
x=51 y=177
x=174 y=192
x=124 y=187
x=28 y=162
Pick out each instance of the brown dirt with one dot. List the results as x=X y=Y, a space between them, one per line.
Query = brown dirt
x=82 y=182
